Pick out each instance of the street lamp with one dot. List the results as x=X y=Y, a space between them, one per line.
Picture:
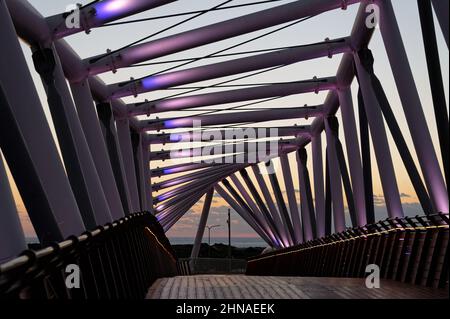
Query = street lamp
x=209 y=237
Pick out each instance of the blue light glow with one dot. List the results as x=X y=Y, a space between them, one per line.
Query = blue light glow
x=150 y=83
x=111 y=8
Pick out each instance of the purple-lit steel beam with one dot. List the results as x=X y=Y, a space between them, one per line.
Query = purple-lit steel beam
x=180 y=168
x=224 y=97
x=336 y=181
x=353 y=153
x=237 y=159
x=292 y=200
x=261 y=205
x=319 y=187
x=173 y=209
x=235 y=117
x=257 y=213
x=380 y=143
x=212 y=33
x=208 y=136
x=308 y=216
x=242 y=212
x=191 y=187
x=22 y=95
x=286 y=238
x=98 y=14
x=188 y=177
x=412 y=107
x=249 y=151
x=12 y=237
x=227 y=68
x=180 y=211
x=202 y=224
x=442 y=11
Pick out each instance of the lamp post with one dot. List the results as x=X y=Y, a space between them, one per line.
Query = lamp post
x=209 y=237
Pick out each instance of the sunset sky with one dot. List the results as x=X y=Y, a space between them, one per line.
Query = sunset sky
x=328 y=25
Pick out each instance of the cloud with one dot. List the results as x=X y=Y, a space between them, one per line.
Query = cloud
x=379 y=200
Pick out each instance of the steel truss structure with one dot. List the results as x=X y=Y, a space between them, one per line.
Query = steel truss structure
x=105 y=174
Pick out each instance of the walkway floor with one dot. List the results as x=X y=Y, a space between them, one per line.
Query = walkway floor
x=246 y=287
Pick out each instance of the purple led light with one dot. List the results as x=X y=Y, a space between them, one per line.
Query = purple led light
x=169 y=171
x=176 y=137
x=109 y=9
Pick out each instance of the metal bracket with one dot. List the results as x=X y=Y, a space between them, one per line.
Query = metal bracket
x=112 y=61
x=328 y=43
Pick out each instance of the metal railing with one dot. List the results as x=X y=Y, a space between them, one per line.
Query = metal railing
x=410 y=250
x=118 y=261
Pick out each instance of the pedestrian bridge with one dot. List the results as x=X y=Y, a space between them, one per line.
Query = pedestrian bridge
x=104 y=147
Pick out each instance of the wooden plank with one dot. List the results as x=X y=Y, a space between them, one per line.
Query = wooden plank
x=247 y=287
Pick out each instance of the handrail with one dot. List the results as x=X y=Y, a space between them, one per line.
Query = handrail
x=419 y=255
x=118 y=260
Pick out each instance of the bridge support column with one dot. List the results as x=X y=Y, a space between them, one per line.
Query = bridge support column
x=309 y=218
x=91 y=127
x=292 y=200
x=380 y=143
x=435 y=78
x=124 y=136
x=243 y=213
x=12 y=238
x=335 y=180
x=261 y=205
x=258 y=215
x=105 y=115
x=252 y=215
x=201 y=226
x=271 y=205
x=412 y=106
x=319 y=193
x=441 y=9
x=147 y=175
x=281 y=205
x=138 y=153
x=16 y=79
x=77 y=157
x=176 y=212
x=353 y=154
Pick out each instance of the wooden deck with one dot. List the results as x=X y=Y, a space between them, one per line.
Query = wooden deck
x=246 y=287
